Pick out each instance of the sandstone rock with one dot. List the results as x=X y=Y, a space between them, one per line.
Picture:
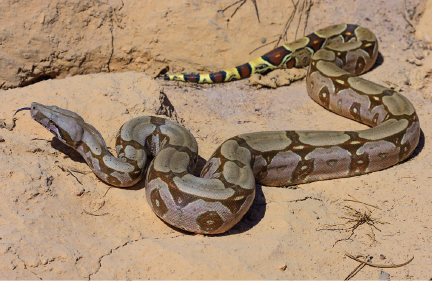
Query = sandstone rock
x=53 y=39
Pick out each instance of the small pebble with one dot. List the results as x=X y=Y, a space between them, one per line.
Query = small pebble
x=418 y=56
x=79 y=191
x=418 y=62
x=283 y=267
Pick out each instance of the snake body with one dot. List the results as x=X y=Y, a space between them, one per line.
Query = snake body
x=218 y=199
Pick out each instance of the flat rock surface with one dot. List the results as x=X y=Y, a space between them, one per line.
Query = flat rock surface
x=58 y=221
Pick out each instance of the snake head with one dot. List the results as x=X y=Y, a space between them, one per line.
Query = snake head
x=66 y=125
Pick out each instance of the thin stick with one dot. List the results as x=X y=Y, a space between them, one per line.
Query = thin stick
x=357 y=269
x=107 y=191
x=379 y=265
x=256 y=9
x=299 y=21
x=239 y=6
x=96 y=215
x=287 y=24
x=357 y=201
x=307 y=17
x=407 y=82
x=232 y=5
x=79 y=171
x=244 y=1
x=262 y=46
x=70 y=172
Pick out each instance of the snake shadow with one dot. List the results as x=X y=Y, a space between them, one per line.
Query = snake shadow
x=67 y=150
x=379 y=61
x=253 y=216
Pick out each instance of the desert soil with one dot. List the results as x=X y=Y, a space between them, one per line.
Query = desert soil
x=58 y=221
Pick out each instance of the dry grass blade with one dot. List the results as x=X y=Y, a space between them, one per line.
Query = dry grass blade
x=357 y=269
x=305 y=2
x=256 y=9
x=69 y=171
x=262 y=46
x=305 y=9
x=287 y=24
x=242 y=2
x=309 y=6
x=357 y=201
x=73 y=175
x=229 y=6
x=379 y=265
x=96 y=215
x=407 y=82
x=108 y=189
x=80 y=171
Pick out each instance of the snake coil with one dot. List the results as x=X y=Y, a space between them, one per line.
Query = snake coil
x=218 y=199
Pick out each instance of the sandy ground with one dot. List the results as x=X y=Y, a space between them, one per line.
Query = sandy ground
x=58 y=221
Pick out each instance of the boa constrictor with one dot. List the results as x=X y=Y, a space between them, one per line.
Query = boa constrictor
x=217 y=200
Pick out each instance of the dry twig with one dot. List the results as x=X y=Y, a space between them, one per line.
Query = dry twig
x=305 y=9
x=239 y=6
x=379 y=265
x=96 y=215
x=367 y=261
x=71 y=172
x=408 y=81
x=357 y=201
x=358 y=268
x=257 y=48
x=109 y=187
x=287 y=24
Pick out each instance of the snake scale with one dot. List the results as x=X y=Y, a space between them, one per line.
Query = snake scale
x=218 y=199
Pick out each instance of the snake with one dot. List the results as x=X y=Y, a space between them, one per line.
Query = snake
x=165 y=153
